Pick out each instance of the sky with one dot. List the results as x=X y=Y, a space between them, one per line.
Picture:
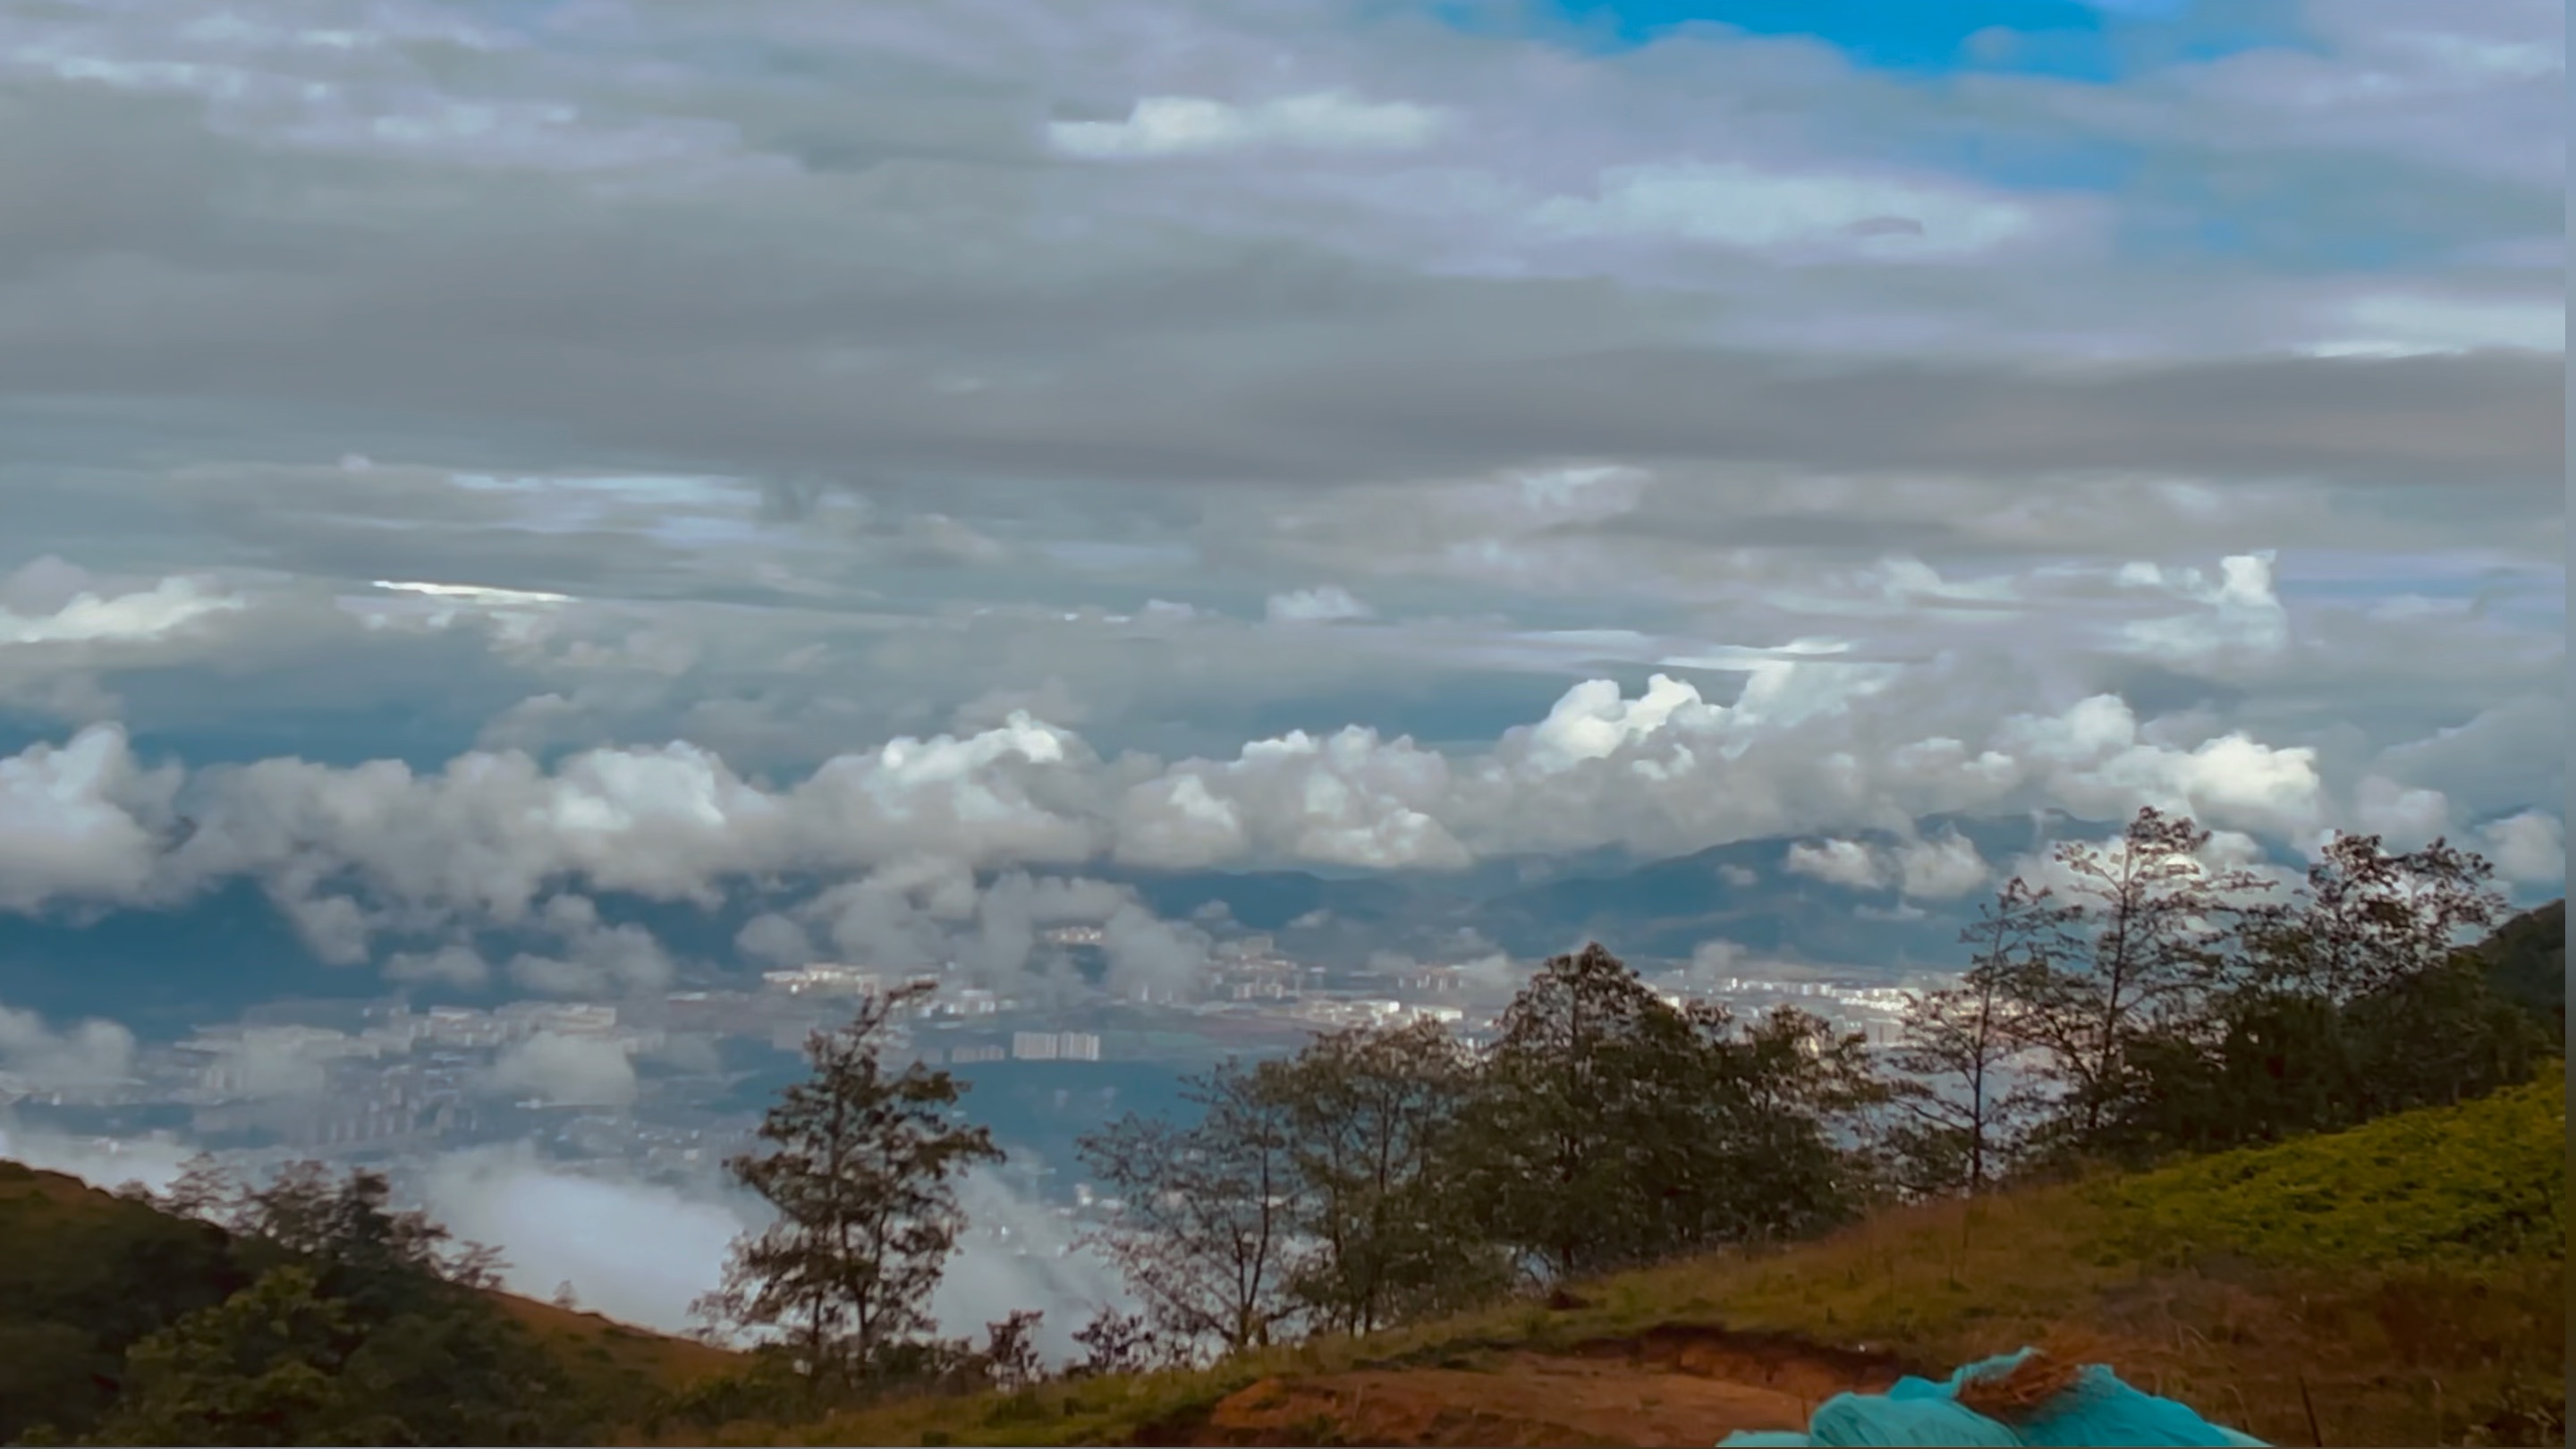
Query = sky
x=461 y=462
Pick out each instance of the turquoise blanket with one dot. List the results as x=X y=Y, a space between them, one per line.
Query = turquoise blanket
x=2097 y=1411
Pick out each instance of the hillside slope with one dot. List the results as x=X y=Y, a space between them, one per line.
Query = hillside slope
x=2526 y=961
x=2401 y=1283
x=85 y=1274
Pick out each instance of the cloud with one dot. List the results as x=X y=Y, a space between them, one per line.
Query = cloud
x=1733 y=204
x=78 y=820
x=2528 y=849
x=592 y=958
x=2403 y=325
x=774 y=940
x=1324 y=605
x=1846 y=863
x=450 y=965
x=47 y=602
x=639 y=1251
x=565 y=1071
x=1940 y=869
x=1196 y=125
x=377 y=857
x=155 y=1160
x=635 y=1251
x=2241 y=618
x=88 y=1055
x=2407 y=816
x=905 y=459
x=1159 y=958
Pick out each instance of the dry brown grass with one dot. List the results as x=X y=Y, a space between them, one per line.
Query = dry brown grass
x=640 y=1357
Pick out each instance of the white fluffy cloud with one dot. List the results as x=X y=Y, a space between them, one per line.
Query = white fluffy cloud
x=78 y=820
x=89 y=1054
x=1941 y=869
x=1814 y=742
x=565 y=1070
x=1845 y=863
x=2529 y=848
x=635 y=1251
x=50 y=601
x=2240 y=618
x=1938 y=869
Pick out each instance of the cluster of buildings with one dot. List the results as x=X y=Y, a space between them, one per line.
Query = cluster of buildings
x=357 y=1078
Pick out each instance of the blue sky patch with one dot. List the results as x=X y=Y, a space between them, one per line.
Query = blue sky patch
x=2102 y=41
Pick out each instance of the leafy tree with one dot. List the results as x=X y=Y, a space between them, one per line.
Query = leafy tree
x=257 y=1368
x=347 y=1226
x=2368 y=921
x=858 y=1165
x=286 y=1361
x=2356 y=999
x=1587 y=1083
x=1779 y=1104
x=1610 y=1127
x=1206 y=1212
x=77 y=1289
x=1959 y=1116
x=1372 y=1114
x=2144 y=940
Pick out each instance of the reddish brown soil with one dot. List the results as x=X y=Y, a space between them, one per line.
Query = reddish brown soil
x=1672 y=1386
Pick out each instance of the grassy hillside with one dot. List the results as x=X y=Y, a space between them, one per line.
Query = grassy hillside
x=2402 y=1283
x=85 y=1275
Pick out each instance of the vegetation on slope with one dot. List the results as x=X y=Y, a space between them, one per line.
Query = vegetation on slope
x=1392 y=1212
x=303 y=1312
x=1386 y=1177
x=2402 y=1281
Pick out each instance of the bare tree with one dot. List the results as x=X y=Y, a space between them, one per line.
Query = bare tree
x=1958 y=1114
x=1202 y=1232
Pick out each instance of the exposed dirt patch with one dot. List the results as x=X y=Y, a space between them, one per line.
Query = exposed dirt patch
x=1679 y=1385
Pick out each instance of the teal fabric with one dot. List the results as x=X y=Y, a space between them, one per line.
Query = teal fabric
x=1928 y=1421
x=2097 y=1411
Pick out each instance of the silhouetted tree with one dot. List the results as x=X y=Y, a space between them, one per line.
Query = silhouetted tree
x=1206 y=1213
x=859 y=1164
x=1959 y=1116
x=1116 y=1343
x=1372 y=1115
x=2149 y=925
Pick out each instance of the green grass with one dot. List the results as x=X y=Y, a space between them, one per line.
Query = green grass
x=2483 y=1180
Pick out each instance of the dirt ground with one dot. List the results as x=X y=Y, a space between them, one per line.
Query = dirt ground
x=1674 y=1386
